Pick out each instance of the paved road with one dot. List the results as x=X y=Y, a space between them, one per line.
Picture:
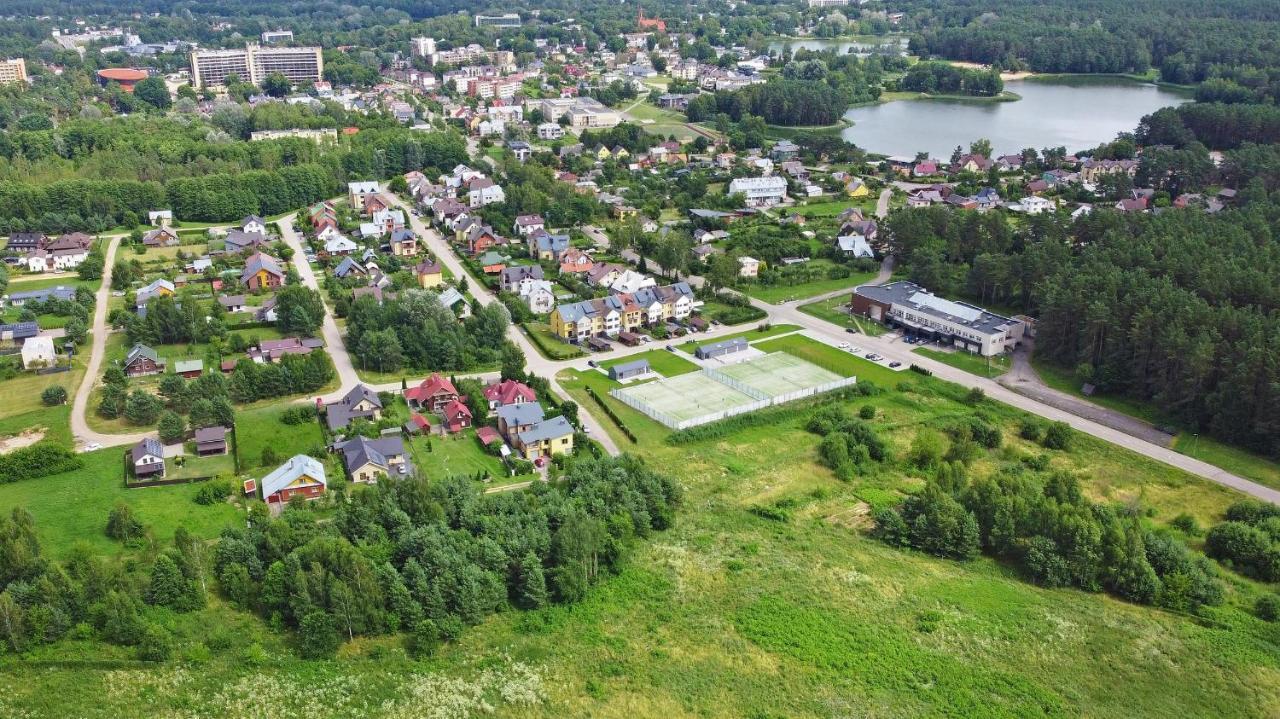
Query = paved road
x=329 y=329
x=80 y=404
x=882 y=202
x=535 y=362
x=892 y=348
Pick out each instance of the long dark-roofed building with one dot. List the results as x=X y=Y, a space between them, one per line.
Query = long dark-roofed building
x=916 y=310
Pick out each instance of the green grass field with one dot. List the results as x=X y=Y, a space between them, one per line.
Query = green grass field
x=971 y=363
x=22 y=392
x=776 y=294
x=664 y=362
x=260 y=428
x=830 y=310
x=72 y=508
x=726 y=615
x=836 y=360
x=458 y=454
x=751 y=335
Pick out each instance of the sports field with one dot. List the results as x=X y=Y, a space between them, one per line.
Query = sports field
x=778 y=374
x=684 y=397
x=713 y=394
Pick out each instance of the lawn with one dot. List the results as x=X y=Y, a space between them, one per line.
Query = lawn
x=831 y=208
x=777 y=294
x=664 y=362
x=261 y=428
x=194 y=466
x=72 y=507
x=457 y=454
x=1236 y=460
x=55 y=421
x=22 y=392
x=551 y=347
x=842 y=362
x=971 y=363
x=749 y=335
x=832 y=311
x=731 y=614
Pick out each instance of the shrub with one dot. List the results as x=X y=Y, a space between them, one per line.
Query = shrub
x=54 y=395
x=1267 y=607
x=867 y=412
x=318 y=638
x=300 y=414
x=213 y=492
x=172 y=427
x=1058 y=436
x=39 y=460
x=122 y=524
x=1186 y=524
x=1029 y=429
x=156 y=646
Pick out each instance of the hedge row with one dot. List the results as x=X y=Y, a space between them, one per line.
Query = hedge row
x=609 y=411
x=39 y=460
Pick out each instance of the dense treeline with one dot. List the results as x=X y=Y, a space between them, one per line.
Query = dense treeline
x=947 y=79
x=431 y=558
x=814 y=89
x=1236 y=42
x=1216 y=125
x=1249 y=541
x=1054 y=534
x=416 y=330
x=97 y=175
x=1181 y=309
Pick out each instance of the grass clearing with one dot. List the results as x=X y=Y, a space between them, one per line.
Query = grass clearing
x=259 y=429
x=832 y=310
x=72 y=508
x=455 y=454
x=22 y=392
x=664 y=362
x=749 y=335
x=777 y=294
x=841 y=362
x=971 y=363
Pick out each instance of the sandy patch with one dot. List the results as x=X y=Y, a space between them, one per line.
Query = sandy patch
x=1006 y=76
x=26 y=439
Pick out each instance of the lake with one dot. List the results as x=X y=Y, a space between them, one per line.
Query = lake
x=895 y=46
x=1076 y=112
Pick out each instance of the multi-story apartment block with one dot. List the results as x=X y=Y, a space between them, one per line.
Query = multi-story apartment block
x=13 y=70
x=211 y=68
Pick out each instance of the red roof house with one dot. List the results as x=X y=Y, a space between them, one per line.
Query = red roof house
x=508 y=392
x=432 y=395
x=456 y=416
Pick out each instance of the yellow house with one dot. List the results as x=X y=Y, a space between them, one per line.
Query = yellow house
x=430 y=275
x=546 y=438
x=857 y=188
x=603 y=153
x=620 y=152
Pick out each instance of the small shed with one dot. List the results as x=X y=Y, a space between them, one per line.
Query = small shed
x=189 y=368
x=629 y=370
x=599 y=345
x=211 y=441
x=630 y=339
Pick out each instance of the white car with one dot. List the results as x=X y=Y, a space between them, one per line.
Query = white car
x=92 y=446
x=855 y=350
x=843 y=345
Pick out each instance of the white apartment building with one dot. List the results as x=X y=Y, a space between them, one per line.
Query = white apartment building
x=210 y=68
x=423 y=47
x=271 y=37
x=828 y=3
x=760 y=191
x=318 y=136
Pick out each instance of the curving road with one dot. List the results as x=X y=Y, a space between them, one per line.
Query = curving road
x=80 y=430
x=889 y=346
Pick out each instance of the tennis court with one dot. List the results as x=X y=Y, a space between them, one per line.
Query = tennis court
x=778 y=374
x=678 y=399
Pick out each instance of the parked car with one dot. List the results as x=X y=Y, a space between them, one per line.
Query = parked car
x=851 y=330
x=874 y=357
x=856 y=350
x=895 y=365
x=843 y=345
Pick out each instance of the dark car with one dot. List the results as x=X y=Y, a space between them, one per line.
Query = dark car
x=851 y=330
x=894 y=365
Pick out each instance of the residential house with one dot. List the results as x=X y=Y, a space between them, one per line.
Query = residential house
x=510 y=277
x=254 y=225
x=539 y=295
x=453 y=300
x=271 y=351
x=232 y=303
x=457 y=416
x=492 y=263
x=358 y=191
x=147 y=457
x=38 y=352
x=500 y=394
x=482 y=191
x=160 y=237
x=360 y=403
x=142 y=360
x=854 y=246
x=262 y=271
x=603 y=274
x=528 y=224
x=430 y=274
x=348 y=267
x=545 y=439
x=190 y=369
x=520 y=149
x=300 y=476
x=575 y=261
x=855 y=187
x=987 y=198
x=516 y=418
x=158 y=218
x=1092 y=170
x=546 y=247
x=211 y=441
x=432 y=395
x=266 y=311
x=481 y=238
x=25 y=242
x=972 y=163
x=759 y=191
x=748 y=267
x=340 y=246
x=157 y=288
x=1034 y=205
x=367 y=460
x=629 y=281
x=550 y=131
x=46 y=260
x=404 y=243
x=238 y=241
x=925 y=167
x=17 y=333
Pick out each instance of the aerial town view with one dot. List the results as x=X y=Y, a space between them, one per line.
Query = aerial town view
x=826 y=359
